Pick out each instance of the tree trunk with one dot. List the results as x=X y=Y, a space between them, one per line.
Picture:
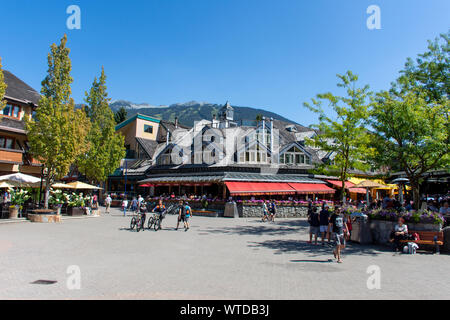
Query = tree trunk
x=47 y=192
x=416 y=195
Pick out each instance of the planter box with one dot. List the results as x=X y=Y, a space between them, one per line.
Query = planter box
x=13 y=212
x=44 y=218
x=75 y=211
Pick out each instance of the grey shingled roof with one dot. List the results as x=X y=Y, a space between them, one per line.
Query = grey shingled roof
x=19 y=90
x=148 y=145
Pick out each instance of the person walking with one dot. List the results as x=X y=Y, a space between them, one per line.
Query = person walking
x=324 y=218
x=265 y=210
x=108 y=201
x=181 y=214
x=124 y=206
x=272 y=210
x=187 y=214
x=134 y=205
x=314 y=225
x=339 y=228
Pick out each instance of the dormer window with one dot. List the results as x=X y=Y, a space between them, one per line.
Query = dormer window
x=291 y=128
x=294 y=156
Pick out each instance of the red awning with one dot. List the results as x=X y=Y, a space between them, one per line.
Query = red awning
x=255 y=188
x=146 y=185
x=348 y=186
x=311 y=188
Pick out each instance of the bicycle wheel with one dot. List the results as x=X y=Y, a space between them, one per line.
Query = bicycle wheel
x=138 y=224
x=132 y=223
x=150 y=223
x=157 y=225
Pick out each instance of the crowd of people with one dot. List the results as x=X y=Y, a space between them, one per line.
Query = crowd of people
x=140 y=206
x=329 y=225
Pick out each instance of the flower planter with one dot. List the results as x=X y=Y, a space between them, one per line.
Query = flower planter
x=75 y=211
x=13 y=212
x=44 y=216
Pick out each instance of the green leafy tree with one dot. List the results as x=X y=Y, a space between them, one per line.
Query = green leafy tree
x=57 y=134
x=428 y=75
x=120 y=115
x=344 y=135
x=411 y=119
x=2 y=87
x=106 y=147
x=411 y=135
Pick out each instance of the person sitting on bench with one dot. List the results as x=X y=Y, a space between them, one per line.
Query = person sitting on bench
x=400 y=232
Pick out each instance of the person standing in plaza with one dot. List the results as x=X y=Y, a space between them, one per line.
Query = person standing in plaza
x=187 y=215
x=134 y=204
x=314 y=225
x=265 y=210
x=181 y=213
x=140 y=200
x=324 y=218
x=108 y=201
x=272 y=210
x=339 y=228
x=124 y=205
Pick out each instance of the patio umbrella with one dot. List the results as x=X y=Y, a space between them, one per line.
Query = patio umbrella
x=5 y=184
x=81 y=186
x=61 y=186
x=400 y=182
x=368 y=184
x=21 y=180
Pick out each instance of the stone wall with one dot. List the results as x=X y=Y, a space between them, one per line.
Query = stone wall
x=255 y=211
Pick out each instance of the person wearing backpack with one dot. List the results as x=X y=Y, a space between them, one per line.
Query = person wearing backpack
x=187 y=214
x=340 y=231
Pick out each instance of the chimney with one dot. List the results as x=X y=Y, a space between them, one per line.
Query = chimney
x=271 y=135
x=264 y=131
x=176 y=122
x=167 y=138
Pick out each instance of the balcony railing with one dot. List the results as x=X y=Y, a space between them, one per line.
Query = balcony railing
x=11 y=155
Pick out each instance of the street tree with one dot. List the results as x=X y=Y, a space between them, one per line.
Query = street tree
x=120 y=115
x=106 y=147
x=344 y=135
x=2 y=87
x=57 y=134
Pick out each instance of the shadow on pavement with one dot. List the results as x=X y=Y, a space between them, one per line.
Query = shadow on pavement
x=296 y=246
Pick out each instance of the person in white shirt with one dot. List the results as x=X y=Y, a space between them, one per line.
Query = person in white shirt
x=124 y=206
x=444 y=209
x=108 y=201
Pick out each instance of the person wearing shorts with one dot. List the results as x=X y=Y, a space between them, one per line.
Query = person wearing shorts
x=265 y=210
x=181 y=214
x=339 y=228
x=187 y=214
x=324 y=218
x=314 y=225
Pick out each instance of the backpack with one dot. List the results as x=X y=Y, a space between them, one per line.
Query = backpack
x=187 y=210
x=411 y=248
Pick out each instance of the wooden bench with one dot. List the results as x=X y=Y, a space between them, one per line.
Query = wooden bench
x=428 y=238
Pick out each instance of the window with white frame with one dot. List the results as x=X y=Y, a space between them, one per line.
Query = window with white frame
x=294 y=156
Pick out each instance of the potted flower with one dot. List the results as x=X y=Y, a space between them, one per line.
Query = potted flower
x=18 y=198
x=75 y=205
x=57 y=199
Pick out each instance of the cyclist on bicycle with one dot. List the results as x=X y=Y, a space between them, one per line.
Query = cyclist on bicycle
x=160 y=209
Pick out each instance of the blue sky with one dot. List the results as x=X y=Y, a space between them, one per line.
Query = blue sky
x=268 y=54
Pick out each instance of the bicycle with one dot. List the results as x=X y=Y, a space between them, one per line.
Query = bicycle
x=155 y=220
x=136 y=221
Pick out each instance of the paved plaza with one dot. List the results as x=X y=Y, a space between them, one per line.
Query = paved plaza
x=218 y=258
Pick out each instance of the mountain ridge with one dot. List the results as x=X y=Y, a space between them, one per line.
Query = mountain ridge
x=191 y=111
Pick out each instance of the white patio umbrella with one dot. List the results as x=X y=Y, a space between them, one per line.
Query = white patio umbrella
x=21 y=180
